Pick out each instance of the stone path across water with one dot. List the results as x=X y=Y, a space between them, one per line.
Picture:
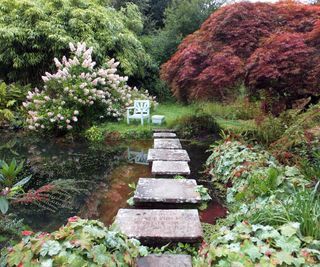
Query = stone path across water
x=153 y=190
x=165 y=261
x=160 y=226
x=167 y=143
x=168 y=155
x=163 y=226
x=164 y=135
x=170 y=168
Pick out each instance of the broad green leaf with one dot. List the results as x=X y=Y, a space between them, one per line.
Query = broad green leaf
x=291 y=244
x=251 y=250
x=99 y=254
x=23 y=181
x=4 y=205
x=51 y=248
x=284 y=257
x=289 y=229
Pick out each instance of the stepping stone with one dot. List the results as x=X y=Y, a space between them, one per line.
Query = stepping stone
x=152 y=226
x=164 y=135
x=168 y=155
x=152 y=190
x=163 y=130
x=165 y=260
x=167 y=144
x=170 y=168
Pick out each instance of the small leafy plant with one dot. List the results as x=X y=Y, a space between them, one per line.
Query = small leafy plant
x=78 y=243
x=253 y=245
x=205 y=197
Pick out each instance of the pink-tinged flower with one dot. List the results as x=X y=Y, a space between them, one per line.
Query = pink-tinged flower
x=73 y=219
x=268 y=253
x=5 y=191
x=43 y=234
x=27 y=233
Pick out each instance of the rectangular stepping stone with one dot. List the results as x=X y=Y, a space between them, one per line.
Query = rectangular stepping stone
x=164 y=135
x=153 y=226
x=168 y=155
x=166 y=143
x=161 y=130
x=152 y=190
x=170 y=168
x=165 y=260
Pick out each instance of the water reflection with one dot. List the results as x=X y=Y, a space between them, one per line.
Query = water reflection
x=105 y=169
x=137 y=157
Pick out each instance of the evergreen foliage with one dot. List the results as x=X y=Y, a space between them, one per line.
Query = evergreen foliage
x=32 y=32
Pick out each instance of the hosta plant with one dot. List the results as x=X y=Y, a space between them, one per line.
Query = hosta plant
x=80 y=93
x=78 y=243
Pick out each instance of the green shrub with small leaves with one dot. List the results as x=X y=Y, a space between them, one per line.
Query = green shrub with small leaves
x=94 y=134
x=35 y=31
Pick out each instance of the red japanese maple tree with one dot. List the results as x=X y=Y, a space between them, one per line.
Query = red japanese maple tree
x=270 y=47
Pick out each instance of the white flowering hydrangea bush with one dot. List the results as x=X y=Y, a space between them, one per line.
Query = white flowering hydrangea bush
x=80 y=93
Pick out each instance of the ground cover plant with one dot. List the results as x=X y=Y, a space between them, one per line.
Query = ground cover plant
x=260 y=44
x=80 y=93
x=78 y=243
x=273 y=215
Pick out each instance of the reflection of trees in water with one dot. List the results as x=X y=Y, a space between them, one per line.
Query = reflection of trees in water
x=85 y=167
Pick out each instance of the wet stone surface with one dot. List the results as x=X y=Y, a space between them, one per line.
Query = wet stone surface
x=164 y=135
x=165 y=261
x=164 y=143
x=170 y=168
x=168 y=155
x=162 y=130
x=153 y=190
x=159 y=227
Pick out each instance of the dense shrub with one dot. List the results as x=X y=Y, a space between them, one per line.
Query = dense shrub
x=34 y=32
x=272 y=47
x=11 y=97
x=79 y=93
x=197 y=125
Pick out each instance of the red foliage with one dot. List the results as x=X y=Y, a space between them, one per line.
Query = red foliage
x=273 y=47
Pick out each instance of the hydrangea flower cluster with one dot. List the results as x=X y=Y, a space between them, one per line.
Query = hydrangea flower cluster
x=79 y=93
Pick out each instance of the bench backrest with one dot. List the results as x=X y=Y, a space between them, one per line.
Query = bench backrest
x=141 y=107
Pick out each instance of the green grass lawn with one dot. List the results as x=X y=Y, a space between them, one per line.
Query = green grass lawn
x=224 y=115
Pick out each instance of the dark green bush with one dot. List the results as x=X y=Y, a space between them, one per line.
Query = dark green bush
x=197 y=125
x=32 y=32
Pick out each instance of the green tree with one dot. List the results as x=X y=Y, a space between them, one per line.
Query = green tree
x=32 y=32
x=181 y=18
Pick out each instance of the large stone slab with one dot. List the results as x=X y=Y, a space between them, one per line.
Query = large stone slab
x=162 y=130
x=164 y=135
x=167 y=143
x=170 y=168
x=168 y=155
x=154 y=226
x=153 y=190
x=165 y=260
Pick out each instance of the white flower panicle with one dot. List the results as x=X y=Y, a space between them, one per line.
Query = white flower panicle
x=78 y=87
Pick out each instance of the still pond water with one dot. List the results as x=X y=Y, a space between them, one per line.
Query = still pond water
x=101 y=173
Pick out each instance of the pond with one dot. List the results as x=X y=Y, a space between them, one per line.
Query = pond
x=99 y=176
